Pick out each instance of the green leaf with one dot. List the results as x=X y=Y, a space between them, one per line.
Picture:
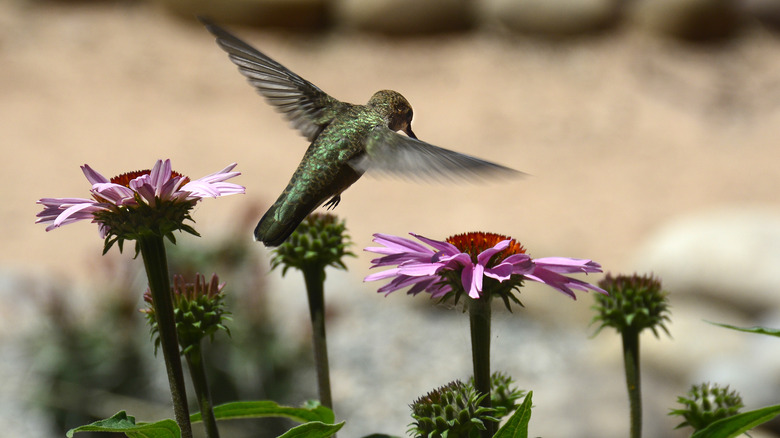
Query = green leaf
x=736 y=425
x=381 y=435
x=313 y=429
x=121 y=422
x=517 y=425
x=754 y=329
x=268 y=408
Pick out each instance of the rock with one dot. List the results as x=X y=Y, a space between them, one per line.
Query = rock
x=404 y=16
x=299 y=14
x=750 y=369
x=730 y=256
x=767 y=12
x=552 y=17
x=688 y=19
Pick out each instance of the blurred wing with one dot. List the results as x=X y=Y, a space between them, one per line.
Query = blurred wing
x=391 y=152
x=308 y=108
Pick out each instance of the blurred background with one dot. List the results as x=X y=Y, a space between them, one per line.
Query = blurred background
x=649 y=130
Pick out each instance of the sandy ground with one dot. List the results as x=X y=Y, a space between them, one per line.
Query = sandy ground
x=620 y=133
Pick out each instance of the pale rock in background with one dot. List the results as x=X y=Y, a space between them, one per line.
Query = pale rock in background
x=552 y=17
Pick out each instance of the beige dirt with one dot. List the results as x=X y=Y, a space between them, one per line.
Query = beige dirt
x=619 y=133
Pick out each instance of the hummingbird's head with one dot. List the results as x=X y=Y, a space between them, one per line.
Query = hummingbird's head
x=395 y=109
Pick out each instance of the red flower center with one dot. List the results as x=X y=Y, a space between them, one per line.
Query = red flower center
x=476 y=242
x=125 y=178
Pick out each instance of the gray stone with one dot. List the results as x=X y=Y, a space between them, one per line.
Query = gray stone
x=730 y=256
x=688 y=19
x=551 y=17
x=404 y=16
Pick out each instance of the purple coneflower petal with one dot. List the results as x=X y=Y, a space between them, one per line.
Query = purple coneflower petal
x=93 y=176
x=568 y=266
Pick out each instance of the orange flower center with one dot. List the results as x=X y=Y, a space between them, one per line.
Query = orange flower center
x=476 y=242
x=125 y=178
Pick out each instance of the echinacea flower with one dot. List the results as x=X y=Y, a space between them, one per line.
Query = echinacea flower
x=156 y=200
x=146 y=206
x=707 y=403
x=466 y=262
x=198 y=310
x=635 y=302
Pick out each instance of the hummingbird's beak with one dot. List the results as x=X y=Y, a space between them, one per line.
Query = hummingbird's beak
x=409 y=132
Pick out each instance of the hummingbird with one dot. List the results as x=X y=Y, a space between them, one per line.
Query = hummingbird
x=346 y=140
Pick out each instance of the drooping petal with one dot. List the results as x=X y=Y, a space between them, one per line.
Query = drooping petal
x=403 y=281
x=561 y=282
x=69 y=213
x=471 y=278
x=419 y=269
x=565 y=265
x=400 y=258
x=522 y=263
x=382 y=275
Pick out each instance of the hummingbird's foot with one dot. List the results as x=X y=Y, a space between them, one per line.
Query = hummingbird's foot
x=334 y=201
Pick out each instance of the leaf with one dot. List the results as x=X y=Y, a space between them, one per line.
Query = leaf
x=736 y=425
x=381 y=435
x=121 y=422
x=268 y=408
x=517 y=425
x=755 y=329
x=313 y=429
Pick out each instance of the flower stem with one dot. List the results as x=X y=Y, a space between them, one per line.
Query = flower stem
x=479 y=319
x=156 y=264
x=633 y=382
x=315 y=279
x=198 y=373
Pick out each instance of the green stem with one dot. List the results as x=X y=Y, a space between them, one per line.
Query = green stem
x=479 y=319
x=633 y=381
x=156 y=264
x=198 y=373
x=315 y=279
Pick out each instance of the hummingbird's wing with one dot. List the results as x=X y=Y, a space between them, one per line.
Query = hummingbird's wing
x=308 y=108
x=391 y=152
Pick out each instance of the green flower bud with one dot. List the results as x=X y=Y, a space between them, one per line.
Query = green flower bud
x=707 y=403
x=634 y=303
x=198 y=311
x=319 y=241
x=454 y=410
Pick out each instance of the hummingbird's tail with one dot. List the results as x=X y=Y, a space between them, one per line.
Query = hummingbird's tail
x=281 y=220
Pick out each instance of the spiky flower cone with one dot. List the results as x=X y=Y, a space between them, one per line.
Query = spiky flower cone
x=707 y=403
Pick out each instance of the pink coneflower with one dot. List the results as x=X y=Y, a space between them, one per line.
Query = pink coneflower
x=464 y=263
x=135 y=202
